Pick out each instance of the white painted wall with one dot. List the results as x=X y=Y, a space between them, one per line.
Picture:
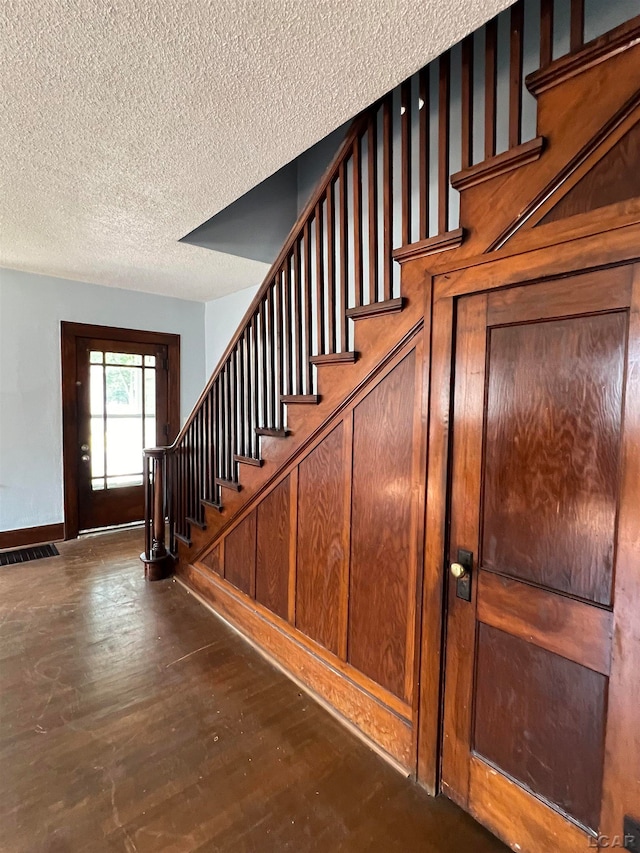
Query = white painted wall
x=221 y=319
x=31 y=308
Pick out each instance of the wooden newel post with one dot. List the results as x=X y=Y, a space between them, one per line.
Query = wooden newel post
x=158 y=562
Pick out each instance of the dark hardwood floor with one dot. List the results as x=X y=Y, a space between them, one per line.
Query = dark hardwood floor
x=132 y=719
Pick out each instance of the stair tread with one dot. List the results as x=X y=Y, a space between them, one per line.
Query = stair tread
x=184 y=539
x=311 y=399
x=213 y=504
x=248 y=460
x=275 y=433
x=195 y=522
x=389 y=306
x=228 y=484
x=334 y=358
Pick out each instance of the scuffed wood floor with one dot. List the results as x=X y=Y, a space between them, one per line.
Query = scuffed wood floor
x=131 y=719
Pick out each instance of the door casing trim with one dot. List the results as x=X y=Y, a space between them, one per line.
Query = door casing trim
x=69 y=334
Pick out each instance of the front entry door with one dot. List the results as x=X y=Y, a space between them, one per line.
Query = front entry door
x=122 y=406
x=544 y=494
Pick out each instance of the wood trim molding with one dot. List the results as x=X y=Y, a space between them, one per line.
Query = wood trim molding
x=382 y=724
x=430 y=246
x=621 y=38
x=31 y=535
x=362 y=312
x=521 y=155
x=69 y=334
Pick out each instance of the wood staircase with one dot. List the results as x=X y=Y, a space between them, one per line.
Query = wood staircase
x=342 y=326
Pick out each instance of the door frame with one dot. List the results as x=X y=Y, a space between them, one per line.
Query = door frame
x=69 y=334
x=548 y=255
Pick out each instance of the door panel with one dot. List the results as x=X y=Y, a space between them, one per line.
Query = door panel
x=553 y=459
x=538 y=432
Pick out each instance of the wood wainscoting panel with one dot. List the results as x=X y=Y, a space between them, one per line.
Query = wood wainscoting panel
x=272 y=562
x=214 y=559
x=614 y=178
x=379 y=598
x=240 y=555
x=321 y=552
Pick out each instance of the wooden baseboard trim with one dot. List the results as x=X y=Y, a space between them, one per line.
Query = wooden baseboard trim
x=31 y=535
x=376 y=722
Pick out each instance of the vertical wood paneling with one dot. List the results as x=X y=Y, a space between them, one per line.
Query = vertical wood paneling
x=347 y=483
x=381 y=524
x=240 y=555
x=272 y=564
x=293 y=544
x=321 y=554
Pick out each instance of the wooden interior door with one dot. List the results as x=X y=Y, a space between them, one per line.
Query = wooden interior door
x=539 y=699
x=122 y=404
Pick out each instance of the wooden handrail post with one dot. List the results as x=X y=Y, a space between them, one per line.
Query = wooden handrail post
x=158 y=562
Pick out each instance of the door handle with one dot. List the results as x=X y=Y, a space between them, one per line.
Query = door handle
x=461 y=570
x=85 y=457
x=84 y=448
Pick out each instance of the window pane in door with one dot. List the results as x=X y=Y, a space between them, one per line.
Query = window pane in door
x=123 y=390
x=97 y=447
x=124 y=446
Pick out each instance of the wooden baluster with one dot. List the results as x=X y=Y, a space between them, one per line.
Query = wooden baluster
x=278 y=337
x=515 y=74
x=576 y=39
x=287 y=328
x=546 y=32
x=466 y=100
x=241 y=385
x=297 y=318
x=233 y=414
x=319 y=231
x=307 y=305
x=219 y=428
x=247 y=447
x=490 y=82
x=387 y=198
x=255 y=357
x=443 y=142
x=425 y=146
x=357 y=219
x=343 y=248
x=405 y=143
x=271 y=336
x=372 y=174
x=263 y=363
x=331 y=268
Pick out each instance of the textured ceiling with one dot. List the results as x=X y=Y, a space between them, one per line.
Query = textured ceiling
x=127 y=124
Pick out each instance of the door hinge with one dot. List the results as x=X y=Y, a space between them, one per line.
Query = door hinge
x=164 y=364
